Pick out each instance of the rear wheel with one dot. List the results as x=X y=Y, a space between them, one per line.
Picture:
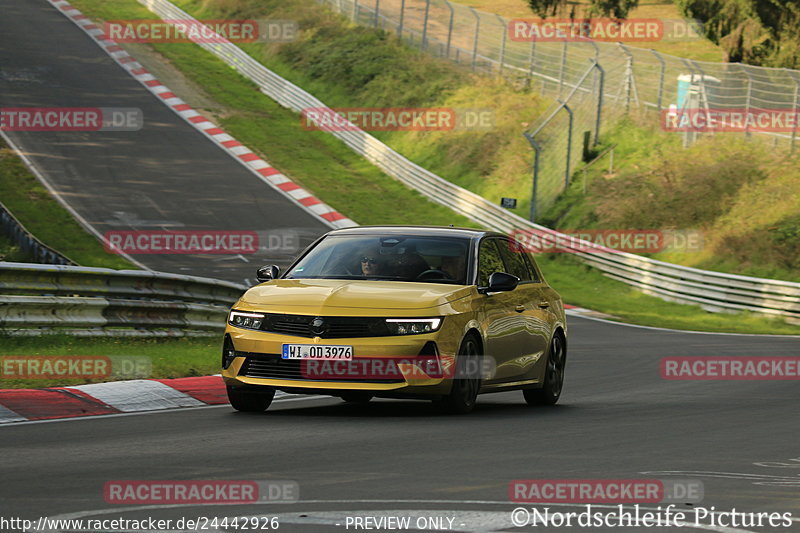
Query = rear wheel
x=553 y=376
x=248 y=401
x=357 y=396
x=464 y=392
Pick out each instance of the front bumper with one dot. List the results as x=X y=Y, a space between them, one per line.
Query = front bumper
x=256 y=362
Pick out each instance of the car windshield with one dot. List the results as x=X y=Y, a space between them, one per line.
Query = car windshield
x=388 y=257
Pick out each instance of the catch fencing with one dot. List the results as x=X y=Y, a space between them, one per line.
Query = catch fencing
x=714 y=291
x=622 y=78
x=37 y=299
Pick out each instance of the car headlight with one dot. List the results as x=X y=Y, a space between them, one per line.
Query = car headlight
x=412 y=326
x=242 y=319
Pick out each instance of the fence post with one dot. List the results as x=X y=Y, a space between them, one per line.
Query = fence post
x=425 y=24
x=531 y=58
x=747 y=103
x=536 y=150
x=628 y=76
x=796 y=110
x=562 y=68
x=377 y=11
x=355 y=11
x=660 y=79
x=602 y=76
x=449 y=27
x=569 y=144
x=688 y=135
x=504 y=29
x=477 y=33
x=402 y=18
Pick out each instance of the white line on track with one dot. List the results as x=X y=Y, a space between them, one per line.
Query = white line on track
x=614 y=322
x=288 y=398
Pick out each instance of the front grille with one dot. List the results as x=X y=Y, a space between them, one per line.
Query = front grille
x=334 y=327
x=271 y=366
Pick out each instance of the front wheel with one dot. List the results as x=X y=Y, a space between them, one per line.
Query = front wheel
x=251 y=402
x=464 y=391
x=553 y=376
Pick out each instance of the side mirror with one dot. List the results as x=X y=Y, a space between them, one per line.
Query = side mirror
x=267 y=273
x=500 y=281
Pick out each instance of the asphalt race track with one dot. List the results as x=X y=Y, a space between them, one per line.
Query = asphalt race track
x=617 y=420
x=167 y=176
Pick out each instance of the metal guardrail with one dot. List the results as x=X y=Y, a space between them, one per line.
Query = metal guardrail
x=714 y=291
x=28 y=243
x=36 y=299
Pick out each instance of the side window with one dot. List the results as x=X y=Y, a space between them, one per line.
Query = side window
x=515 y=263
x=531 y=267
x=489 y=261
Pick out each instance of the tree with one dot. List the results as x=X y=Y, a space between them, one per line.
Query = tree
x=617 y=9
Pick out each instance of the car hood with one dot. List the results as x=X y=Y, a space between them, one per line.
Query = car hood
x=316 y=295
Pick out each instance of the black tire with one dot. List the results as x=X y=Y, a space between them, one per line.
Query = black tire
x=464 y=392
x=357 y=396
x=553 y=375
x=251 y=402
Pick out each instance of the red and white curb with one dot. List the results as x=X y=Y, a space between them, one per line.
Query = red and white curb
x=234 y=148
x=23 y=405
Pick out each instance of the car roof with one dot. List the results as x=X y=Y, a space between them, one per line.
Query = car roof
x=426 y=231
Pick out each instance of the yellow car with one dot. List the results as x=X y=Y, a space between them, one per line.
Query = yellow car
x=399 y=312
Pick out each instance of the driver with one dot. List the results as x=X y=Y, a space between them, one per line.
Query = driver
x=370 y=264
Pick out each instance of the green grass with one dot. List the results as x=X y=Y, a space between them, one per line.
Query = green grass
x=11 y=252
x=31 y=203
x=348 y=183
x=168 y=358
x=744 y=196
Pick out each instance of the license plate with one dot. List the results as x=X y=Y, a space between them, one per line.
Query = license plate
x=317 y=351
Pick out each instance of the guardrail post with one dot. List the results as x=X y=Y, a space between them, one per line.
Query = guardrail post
x=377 y=11
x=402 y=18
x=660 y=79
x=477 y=33
x=569 y=144
x=355 y=11
x=449 y=27
x=601 y=75
x=534 y=192
x=504 y=29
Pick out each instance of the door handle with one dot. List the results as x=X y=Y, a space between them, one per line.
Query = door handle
x=544 y=304
x=519 y=308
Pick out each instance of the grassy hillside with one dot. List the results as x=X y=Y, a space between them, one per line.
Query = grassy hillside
x=349 y=66
x=742 y=195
